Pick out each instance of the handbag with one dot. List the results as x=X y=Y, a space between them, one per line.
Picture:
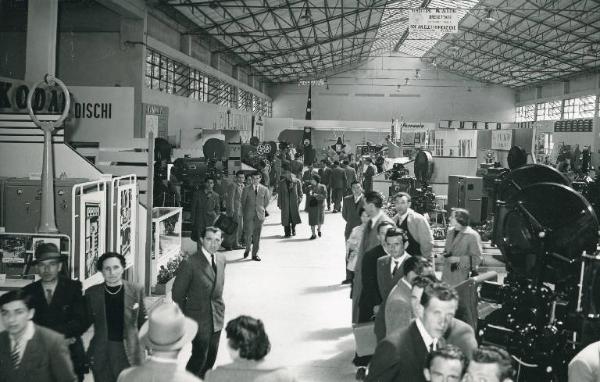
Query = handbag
x=472 y=272
x=226 y=224
x=364 y=337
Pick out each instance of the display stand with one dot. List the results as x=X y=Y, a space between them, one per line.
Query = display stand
x=166 y=238
x=123 y=232
x=17 y=253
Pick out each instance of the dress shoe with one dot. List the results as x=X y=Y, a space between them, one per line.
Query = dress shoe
x=361 y=373
x=313 y=237
x=346 y=282
x=246 y=254
x=255 y=258
x=287 y=235
x=319 y=232
x=293 y=232
x=334 y=212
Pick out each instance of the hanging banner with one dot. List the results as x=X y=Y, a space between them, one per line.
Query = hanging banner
x=433 y=20
x=502 y=139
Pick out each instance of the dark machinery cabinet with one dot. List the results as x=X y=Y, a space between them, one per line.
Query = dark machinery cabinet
x=22 y=202
x=467 y=192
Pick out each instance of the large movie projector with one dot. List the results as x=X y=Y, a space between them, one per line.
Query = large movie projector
x=423 y=198
x=543 y=227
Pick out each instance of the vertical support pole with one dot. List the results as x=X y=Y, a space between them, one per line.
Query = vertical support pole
x=47 y=218
x=149 y=207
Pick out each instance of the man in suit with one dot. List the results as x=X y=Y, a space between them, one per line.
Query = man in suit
x=255 y=200
x=338 y=185
x=368 y=174
x=233 y=205
x=206 y=207
x=401 y=355
x=395 y=311
x=493 y=364
x=351 y=207
x=350 y=176
x=198 y=290
x=420 y=236
x=445 y=364
x=29 y=352
x=165 y=333
x=58 y=303
x=325 y=174
x=372 y=239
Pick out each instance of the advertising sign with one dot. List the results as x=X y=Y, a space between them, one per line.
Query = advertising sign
x=502 y=139
x=126 y=202
x=433 y=20
x=93 y=231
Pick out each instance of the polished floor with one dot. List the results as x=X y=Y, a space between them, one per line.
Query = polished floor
x=296 y=291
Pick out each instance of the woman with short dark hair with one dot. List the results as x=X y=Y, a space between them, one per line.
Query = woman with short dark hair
x=316 y=196
x=248 y=345
x=116 y=309
x=462 y=251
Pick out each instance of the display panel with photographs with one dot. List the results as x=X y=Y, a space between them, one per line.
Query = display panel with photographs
x=92 y=231
x=126 y=218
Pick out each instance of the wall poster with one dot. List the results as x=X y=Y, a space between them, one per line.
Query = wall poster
x=502 y=139
x=93 y=231
x=126 y=218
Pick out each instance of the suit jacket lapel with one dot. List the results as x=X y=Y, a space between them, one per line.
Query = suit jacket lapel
x=32 y=351
x=4 y=350
x=129 y=300
x=420 y=350
x=206 y=265
x=387 y=271
x=59 y=292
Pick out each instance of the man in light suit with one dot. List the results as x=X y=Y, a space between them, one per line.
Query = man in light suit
x=29 y=352
x=165 y=333
x=198 y=290
x=58 y=303
x=338 y=185
x=585 y=366
x=401 y=356
x=255 y=200
x=395 y=311
x=420 y=236
x=233 y=205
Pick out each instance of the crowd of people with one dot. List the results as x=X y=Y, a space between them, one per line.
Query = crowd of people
x=395 y=290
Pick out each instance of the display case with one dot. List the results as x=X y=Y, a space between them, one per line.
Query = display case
x=166 y=238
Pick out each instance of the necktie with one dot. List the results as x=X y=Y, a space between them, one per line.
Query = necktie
x=212 y=261
x=396 y=266
x=48 y=296
x=255 y=190
x=15 y=354
x=432 y=347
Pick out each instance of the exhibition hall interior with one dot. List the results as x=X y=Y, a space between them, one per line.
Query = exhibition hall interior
x=299 y=190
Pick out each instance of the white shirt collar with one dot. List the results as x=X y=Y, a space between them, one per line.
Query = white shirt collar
x=357 y=199
x=406 y=283
x=425 y=335
x=163 y=360
x=399 y=261
x=207 y=254
x=375 y=218
x=51 y=286
x=402 y=217
x=27 y=335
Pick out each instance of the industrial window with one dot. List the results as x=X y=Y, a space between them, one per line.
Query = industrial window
x=581 y=107
x=548 y=111
x=525 y=113
x=170 y=76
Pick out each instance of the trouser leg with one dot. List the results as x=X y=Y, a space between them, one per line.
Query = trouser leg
x=211 y=354
x=197 y=361
x=287 y=230
x=256 y=236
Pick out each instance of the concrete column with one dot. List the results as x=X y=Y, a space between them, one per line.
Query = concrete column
x=42 y=19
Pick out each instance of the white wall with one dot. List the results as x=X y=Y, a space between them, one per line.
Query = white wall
x=369 y=93
x=21 y=159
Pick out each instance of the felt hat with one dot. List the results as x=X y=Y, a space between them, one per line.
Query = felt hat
x=47 y=251
x=167 y=328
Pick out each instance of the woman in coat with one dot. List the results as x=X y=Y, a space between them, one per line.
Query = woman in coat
x=116 y=309
x=288 y=201
x=248 y=346
x=206 y=207
x=316 y=205
x=462 y=252
x=353 y=244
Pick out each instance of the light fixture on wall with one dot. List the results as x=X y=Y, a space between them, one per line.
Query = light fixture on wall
x=417 y=74
x=398 y=87
x=406 y=81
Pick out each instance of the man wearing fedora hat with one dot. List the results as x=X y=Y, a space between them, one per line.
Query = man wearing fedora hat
x=165 y=333
x=59 y=303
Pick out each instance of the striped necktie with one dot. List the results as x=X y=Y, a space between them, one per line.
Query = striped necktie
x=15 y=354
